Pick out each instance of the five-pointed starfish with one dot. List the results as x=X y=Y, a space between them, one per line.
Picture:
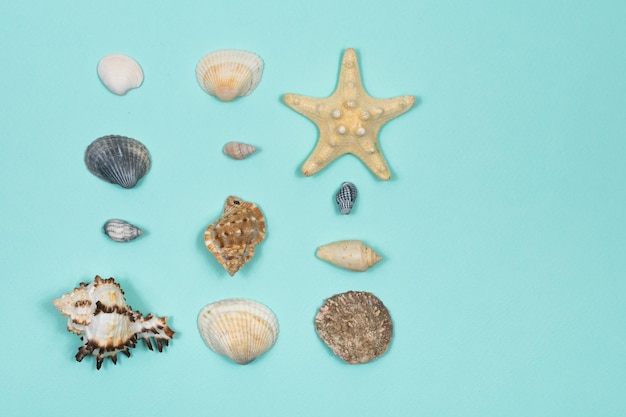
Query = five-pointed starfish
x=348 y=120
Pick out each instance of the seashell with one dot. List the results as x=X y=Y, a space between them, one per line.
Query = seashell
x=118 y=160
x=109 y=326
x=121 y=231
x=238 y=150
x=355 y=325
x=229 y=73
x=349 y=254
x=233 y=236
x=346 y=196
x=120 y=73
x=238 y=328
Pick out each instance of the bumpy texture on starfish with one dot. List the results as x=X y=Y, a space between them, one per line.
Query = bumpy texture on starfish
x=348 y=120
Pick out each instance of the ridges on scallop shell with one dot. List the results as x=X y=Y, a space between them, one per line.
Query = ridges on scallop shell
x=238 y=150
x=121 y=231
x=229 y=73
x=349 y=254
x=118 y=160
x=120 y=73
x=346 y=196
x=238 y=328
x=355 y=325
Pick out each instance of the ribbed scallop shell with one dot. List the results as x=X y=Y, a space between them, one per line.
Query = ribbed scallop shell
x=346 y=196
x=120 y=73
x=229 y=73
x=355 y=325
x=238 y=150
x=121 y=231
x=238 y=328
x=118 y=160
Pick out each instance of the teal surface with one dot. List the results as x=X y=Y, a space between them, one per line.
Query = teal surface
x=503 y=229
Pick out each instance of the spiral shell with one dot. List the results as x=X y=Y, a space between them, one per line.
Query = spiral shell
x=98 y=311
x=238 y=328
x=346 y=196
x=238 y=150
x=121 y=231
x=118 y=160
x=349 y=254
x=120 y=73
x=355 y=325
x=229 y=73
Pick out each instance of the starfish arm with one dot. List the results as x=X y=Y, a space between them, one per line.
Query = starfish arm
x=389 y=108
x=327 y=150
x=309 y=107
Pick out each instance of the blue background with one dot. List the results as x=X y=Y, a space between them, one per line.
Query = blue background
x=502 y=230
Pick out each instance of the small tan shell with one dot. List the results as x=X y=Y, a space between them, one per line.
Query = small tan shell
x=229 y=73
x=120 y=73
x=239 y=328
x=349 y=254
x=238 y=150
x=355 y=325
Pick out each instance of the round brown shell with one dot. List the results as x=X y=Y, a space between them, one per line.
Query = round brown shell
x=355 y=325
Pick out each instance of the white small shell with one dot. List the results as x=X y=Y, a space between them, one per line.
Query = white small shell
x=121 y=231
x=238 y=150
x=120 y=73
x=239 y=328
x=229 y=73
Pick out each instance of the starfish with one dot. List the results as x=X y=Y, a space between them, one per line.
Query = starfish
x=348 y=120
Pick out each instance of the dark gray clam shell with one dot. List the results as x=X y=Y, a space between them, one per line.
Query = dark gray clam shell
x=118 y=160
x=346 y=196
x=121 y=231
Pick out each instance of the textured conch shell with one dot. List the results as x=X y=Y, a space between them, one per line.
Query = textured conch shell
x=121 y=231
x=120 y=73
x=238 y=150
x=229 y=73
x=349 y=254
x=232 y=237
x=239 y=328
x=355 y=325
x=109 y=326
x=118 y=160
x=346 y=196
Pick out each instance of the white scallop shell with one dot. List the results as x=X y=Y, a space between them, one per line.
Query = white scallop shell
x=239 y=328
x=229 y=73
x=120 y=73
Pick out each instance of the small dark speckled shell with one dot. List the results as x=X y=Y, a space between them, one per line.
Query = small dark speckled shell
x=118 y=160
x=346 y=196
x=355 y=325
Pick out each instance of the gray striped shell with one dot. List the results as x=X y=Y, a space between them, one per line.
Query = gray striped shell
x=118 y=160
x=121 y=231
x=346 y=196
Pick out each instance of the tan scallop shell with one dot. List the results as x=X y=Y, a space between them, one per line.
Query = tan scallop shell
x=238 y=150
x=229 y=73
x=239 y=328
x=349 y=254
x=120 y=73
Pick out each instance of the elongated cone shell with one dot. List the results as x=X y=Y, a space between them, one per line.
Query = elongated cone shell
x=229 y=73
x=238 y=150
x=120 y=73
x=349 y=254
x=238 y=328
